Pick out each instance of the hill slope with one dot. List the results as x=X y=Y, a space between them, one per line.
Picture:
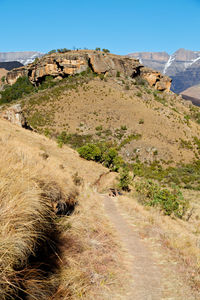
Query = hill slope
x=129 y=110
x=109 y=113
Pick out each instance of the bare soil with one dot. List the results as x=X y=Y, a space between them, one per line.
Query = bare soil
x=154 y=274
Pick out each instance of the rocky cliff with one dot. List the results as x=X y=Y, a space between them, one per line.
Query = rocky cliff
x=75 y=62
x=183 y=66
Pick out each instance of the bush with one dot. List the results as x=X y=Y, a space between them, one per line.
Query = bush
x=74 y=139
x=111 y=159
x=90 y=152
x=3 y=79
x=170 y=202
x=106 y=50
x=21 y=87
x=103 y=153
x=118 y=74
x=52 y=51
x=48 y=82
x=124 y=180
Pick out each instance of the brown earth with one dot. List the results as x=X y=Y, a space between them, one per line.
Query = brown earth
x=154 y=274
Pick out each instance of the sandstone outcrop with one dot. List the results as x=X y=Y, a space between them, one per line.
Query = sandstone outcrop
x=74 y=62
x=14 y=114
x=156 y=79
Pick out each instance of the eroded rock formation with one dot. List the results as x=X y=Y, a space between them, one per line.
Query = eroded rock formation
x=74 y=62
x=14 y=114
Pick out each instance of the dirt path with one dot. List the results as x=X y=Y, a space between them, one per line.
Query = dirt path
x=154 y=276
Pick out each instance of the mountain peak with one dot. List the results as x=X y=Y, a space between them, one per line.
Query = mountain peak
x=25 y=57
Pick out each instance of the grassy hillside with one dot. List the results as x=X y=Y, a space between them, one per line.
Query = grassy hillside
x=43 y=254
x=156 y=133
x=151 y=138
x=113 y=109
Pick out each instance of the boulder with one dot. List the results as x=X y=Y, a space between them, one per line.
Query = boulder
x=156 y=79
x=14 y=114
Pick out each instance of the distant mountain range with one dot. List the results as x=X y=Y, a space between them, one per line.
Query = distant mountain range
x=22 y=57
x=10 y=65
x=183 y=67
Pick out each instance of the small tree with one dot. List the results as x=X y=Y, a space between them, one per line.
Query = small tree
x=98 y=49
x=52 y=51
x=106 y=50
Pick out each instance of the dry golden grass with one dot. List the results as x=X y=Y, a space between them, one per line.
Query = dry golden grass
x=96 y=268
x=43 y=256
x=25 y=224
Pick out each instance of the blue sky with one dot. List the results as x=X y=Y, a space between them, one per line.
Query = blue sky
x=121 y=26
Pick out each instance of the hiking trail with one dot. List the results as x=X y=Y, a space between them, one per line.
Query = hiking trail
x=154 y=276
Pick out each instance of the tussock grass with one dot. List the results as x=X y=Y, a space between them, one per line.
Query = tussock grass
x=26 y=223
x=44 y=256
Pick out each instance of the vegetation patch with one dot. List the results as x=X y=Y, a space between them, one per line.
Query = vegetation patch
x=20 y=88
x=169 y=201
x=103 y=153
x=73 y=139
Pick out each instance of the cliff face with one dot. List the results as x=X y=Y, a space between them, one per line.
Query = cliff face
x=74 y=62
x=183 y=66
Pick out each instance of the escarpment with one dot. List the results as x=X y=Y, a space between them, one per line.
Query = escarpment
x=60 y=65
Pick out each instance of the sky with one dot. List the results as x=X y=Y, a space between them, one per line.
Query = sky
x=120 y=26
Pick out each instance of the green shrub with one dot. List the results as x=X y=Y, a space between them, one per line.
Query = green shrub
x=48 y=82
x=111 y=159
x=118 y=74
x=123 y=127
x=21 y=87
x=170 y=202
x=3 y=79
x=63 y=50
x=106 y=50
x=90 y=152
x=104 y=153
x=186 y=144
x=129 y=138
x=139 y=94
x=52 y=51
x=124 y=179
x=73 y=139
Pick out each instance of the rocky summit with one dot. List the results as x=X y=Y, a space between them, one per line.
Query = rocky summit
x=60 y=65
